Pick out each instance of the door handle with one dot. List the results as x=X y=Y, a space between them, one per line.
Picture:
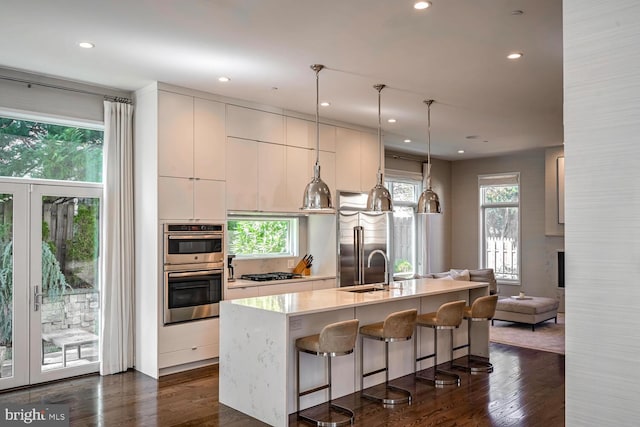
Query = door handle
x=37 y=299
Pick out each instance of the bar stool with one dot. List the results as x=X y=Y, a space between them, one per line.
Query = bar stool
x=482 y=309
x=335 y=339
x=398 y=326
x=448 y=316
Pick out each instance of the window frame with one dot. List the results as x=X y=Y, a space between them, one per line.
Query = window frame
x=293 y=236
x=414 y=179
x=495 y=180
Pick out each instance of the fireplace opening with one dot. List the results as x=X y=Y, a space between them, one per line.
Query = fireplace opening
x=561 y=269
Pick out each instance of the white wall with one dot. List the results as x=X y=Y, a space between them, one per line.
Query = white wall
x=538 y=251
x=602 y=231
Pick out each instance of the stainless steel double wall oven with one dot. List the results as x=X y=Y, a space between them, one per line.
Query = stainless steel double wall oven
x=193 y=271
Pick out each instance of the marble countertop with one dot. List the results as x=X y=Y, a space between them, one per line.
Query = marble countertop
x=330 y=299
x=239 y=283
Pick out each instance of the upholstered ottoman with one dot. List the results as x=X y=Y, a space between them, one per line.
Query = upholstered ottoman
x=530 y=310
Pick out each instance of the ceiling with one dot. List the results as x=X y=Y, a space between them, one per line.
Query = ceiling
x=453 y=52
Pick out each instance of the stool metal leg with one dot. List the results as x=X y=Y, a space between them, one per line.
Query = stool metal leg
x=385 y=400
x=440 y=377
x=475 y=364
x=340 y=409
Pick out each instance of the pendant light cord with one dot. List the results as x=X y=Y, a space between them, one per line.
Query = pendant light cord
x=379 y=88
x=317 y=69
x=429 y=102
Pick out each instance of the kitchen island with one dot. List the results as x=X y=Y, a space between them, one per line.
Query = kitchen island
x=257 y=341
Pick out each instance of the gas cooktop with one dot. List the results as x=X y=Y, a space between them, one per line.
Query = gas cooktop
x=264 y=277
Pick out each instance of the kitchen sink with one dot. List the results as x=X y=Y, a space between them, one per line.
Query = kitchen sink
x=365 y=289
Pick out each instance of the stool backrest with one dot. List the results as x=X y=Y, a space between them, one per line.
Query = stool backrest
x=450 y=314
x=339 y=337
x=484 y=307
x=400 y=324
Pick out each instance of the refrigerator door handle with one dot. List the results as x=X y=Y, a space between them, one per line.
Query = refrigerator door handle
x=358 y=253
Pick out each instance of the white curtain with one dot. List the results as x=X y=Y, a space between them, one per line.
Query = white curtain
x=117 y=296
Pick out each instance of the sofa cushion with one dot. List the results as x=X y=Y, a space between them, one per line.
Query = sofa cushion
x=459 y=274
x=485 y=275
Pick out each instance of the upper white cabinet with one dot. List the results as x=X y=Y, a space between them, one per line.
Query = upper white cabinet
x=242 y=174
x=348 y=159
x=191 y=158
x=175 y=135
x=356 y=160
x=209 y=146
x=253 y=124
x=369 y=155
x=302 y=133
x=272 y=178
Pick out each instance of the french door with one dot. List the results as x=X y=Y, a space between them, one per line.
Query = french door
x=49 y=281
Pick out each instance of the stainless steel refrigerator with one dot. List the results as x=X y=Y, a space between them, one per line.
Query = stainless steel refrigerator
x=360 y=233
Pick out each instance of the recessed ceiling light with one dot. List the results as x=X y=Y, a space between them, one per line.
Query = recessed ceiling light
x=407 y=141
x=421 y=5
x=392 y=120
x=86 y=45
x=515 y=55
x=460 y=151
x=223 y=79
x=325 y=104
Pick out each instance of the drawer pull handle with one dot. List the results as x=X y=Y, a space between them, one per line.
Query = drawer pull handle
x=194 y=348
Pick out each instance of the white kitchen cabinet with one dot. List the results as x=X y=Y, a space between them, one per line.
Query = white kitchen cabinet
x=236 y=293
x=188 y=342
x=356 y=161
x=369 y=155
x=272 y=181
x=191 y=199
x=209 y=143
x=302 y=133
x=285 y=288
x=256 y=176
x=348 y=159
x=257 y=125
x=191 y=158
x=209 y=199
x=175 y=135
x=242 y=174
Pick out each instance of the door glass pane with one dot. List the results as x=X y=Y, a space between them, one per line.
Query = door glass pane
x=70 y=281
x=6 y=285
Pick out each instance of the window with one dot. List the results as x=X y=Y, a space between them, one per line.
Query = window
x=405 y=192
x=263 y=237
x=33 y=149
x=500 y=225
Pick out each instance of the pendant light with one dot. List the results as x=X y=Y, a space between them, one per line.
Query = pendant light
x=429 y=203
x=317 y=196
x=379 y=199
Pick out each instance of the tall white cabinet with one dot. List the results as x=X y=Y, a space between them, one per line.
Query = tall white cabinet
x=179 y=174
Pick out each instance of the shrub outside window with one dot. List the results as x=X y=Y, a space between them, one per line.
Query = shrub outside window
x=33 y=149
x=263 y=237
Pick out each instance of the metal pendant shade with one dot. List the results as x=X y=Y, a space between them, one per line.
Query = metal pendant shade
x=379 y=199
x=317 y=196
x=429 y=202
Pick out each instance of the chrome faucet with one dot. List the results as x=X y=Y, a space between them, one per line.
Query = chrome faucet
x=386 y=264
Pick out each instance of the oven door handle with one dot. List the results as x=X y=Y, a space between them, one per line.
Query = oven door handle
x=194 y=237
x=195 y=273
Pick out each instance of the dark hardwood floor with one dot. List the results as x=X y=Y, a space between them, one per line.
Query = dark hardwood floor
x=525 y=389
